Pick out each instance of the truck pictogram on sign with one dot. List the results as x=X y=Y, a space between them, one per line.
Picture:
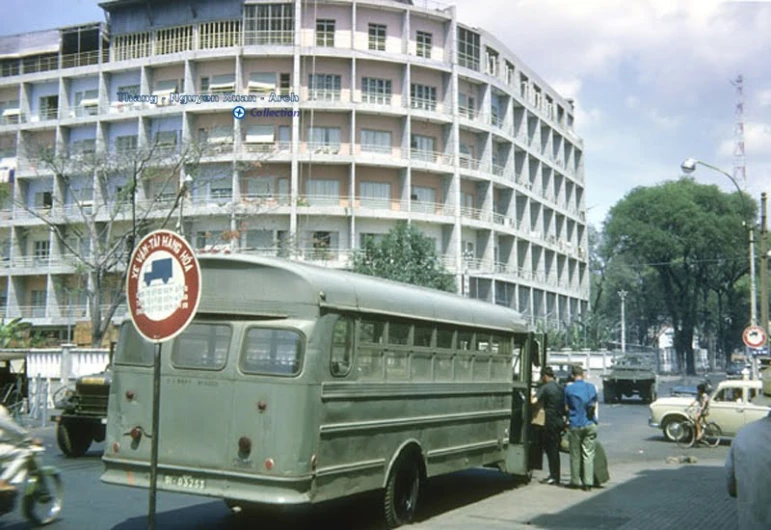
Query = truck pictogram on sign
x=160 y=269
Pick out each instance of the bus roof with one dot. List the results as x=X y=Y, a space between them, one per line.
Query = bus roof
x=250 y=285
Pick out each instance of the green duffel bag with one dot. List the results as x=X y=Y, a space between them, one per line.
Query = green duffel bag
x=601 y=475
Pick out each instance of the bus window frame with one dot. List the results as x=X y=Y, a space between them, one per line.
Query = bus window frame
x=351 y=325
x=122 y=362
x=175 y=346
x=244 y=341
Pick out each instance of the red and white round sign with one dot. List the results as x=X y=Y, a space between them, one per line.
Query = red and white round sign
x=163 y=285
x=754 y=337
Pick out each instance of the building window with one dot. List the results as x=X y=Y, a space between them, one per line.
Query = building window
x=87 y=103
x=423 y=97
x=423 y=148
x=323 y=192
x=38 y=302
x=423 y=199
x=324 y=87
x=509 y=73
x=269 y=24
x=376 y=91
x=125 y=144
x=284 y=84
x=324 y=139
x=166 y=141
x=423 y=42
x=492 y=62
x=221 y=84
x=375 y=141
x=322 y=244
x=262 y=83
x=375 y=194
x=466 y=106
x=43 y=199
x=468 y=49
x=9 y=68
x=259 y=239
x=325 y=32
x=377 y=37
x=41 y=250
x=49 y=107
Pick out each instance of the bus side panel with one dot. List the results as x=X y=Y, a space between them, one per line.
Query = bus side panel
x=364 y=424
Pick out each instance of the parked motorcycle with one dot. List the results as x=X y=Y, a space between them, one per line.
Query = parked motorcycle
x=40 y=486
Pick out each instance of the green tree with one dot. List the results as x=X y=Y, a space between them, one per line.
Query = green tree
x=12 y=332
x=684 y=231
x=404 y=255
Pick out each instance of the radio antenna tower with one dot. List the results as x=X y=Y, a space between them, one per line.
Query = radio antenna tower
x=740 y=170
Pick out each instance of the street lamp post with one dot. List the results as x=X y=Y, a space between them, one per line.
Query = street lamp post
x=623 y=294
x=689 y=166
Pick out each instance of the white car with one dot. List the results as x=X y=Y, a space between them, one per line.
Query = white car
x=730 y=407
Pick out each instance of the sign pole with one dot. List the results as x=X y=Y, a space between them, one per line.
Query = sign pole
x=163 y=290
x=156 y=433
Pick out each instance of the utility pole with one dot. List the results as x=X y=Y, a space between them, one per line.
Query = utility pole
x=763 y=278
x=622 y=294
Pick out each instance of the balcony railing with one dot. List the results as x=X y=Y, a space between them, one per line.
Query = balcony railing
x=49 y=114
x=323 y=94
x=496 y=121
x=467 y=112
x=324 y=148
x=32 y=311
x=376 y=149
x=432 y=157
x=423 y=104
x=268 y=37
x=74 y=60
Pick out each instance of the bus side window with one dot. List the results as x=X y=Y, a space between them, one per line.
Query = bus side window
x=371 y=332
x=464 y=340
x=342 y=347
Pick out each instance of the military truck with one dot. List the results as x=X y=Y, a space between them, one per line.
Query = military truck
x=630 y=375
x=84 y=413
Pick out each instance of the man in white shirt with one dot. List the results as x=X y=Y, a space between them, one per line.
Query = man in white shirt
x=11 y=436
x=748 y=467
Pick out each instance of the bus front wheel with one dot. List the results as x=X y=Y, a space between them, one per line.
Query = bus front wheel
x=402 y=491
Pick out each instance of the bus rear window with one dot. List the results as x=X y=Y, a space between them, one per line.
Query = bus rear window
x=132 y=348
x=272 y=351
x=202 y=347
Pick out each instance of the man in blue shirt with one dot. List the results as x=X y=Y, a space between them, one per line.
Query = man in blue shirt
x=581 y=406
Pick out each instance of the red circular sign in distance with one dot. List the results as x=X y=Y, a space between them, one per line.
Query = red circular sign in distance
x=754 y=337
x=163 y=285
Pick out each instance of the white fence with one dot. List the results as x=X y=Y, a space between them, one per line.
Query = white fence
x=50 y=369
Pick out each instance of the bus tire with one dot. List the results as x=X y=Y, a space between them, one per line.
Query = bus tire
x=402 y=491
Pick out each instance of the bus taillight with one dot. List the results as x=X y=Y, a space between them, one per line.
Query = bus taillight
x=136 y=434
x=269 y=464
x=244 y=445
x=129 y=394
x=115 y=447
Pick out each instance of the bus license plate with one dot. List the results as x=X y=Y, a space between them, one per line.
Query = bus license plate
x=184 y=481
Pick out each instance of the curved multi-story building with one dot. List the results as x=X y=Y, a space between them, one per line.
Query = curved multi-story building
x=388 y=111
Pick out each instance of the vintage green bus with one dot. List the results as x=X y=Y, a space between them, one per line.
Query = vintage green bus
x=297 y=384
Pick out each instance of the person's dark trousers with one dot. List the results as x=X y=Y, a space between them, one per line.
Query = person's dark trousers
x=552 y=437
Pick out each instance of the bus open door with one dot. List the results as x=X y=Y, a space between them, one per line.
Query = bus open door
x=525 y=447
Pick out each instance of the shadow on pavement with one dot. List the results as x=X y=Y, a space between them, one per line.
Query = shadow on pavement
x=681 y=497
x=361 y=512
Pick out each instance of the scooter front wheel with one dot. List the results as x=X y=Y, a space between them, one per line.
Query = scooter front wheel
x=43 y=496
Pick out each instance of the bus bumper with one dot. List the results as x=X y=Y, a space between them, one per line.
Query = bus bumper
x=295 y=490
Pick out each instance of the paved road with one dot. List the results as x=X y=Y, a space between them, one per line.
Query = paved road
x=630 y=445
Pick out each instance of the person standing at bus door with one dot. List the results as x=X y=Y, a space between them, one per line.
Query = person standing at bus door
x=580 y=405
x=551 y=398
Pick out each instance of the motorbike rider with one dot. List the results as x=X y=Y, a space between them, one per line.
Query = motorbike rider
x=12 y=436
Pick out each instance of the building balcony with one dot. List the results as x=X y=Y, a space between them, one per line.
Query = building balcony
x=431 y=157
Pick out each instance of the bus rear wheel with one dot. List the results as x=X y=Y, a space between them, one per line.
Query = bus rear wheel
x=402 y=491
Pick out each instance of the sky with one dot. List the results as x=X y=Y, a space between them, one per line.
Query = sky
x=651 y=79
